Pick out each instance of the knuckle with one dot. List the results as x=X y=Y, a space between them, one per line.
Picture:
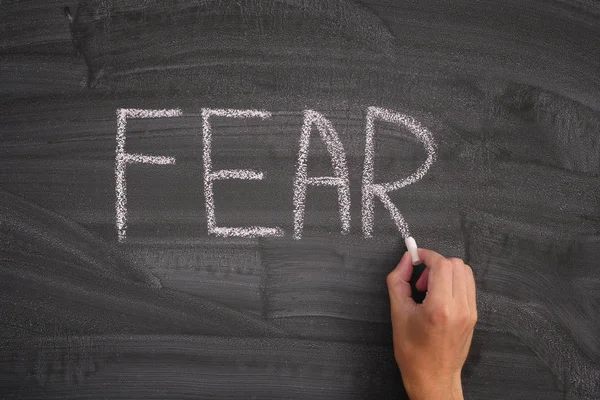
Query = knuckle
x=445 y=263
x=469 y=270
x=463 y=318
x=391 y=278
x=455 y=262
x=470 y=273
x=440 y=314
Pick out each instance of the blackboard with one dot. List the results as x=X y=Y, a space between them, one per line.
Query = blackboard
x=202 y=198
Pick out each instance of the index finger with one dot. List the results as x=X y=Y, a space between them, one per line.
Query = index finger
x=439 y=285
x=398 y=280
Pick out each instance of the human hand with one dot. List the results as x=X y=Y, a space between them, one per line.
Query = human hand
x=432 y=339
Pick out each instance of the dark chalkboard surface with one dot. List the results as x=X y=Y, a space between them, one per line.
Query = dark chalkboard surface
x=202 y=198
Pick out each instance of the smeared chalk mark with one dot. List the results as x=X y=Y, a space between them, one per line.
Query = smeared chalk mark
x=370 y=189
x=338 y=162
x=538 y=328
x=122 y=159
x=210 y=176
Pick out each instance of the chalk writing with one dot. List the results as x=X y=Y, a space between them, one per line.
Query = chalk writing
x=122 y=159
x=340 y=169
x=210 y=176
x=327 y=133
x=370 y=189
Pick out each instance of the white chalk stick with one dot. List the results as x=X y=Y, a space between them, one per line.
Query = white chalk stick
x=411 y=246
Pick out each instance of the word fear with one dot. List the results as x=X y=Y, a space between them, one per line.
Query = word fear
x=327 y=133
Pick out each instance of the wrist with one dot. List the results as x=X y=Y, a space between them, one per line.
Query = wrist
x=431 y=388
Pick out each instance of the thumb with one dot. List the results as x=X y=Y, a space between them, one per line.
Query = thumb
x=398 y=282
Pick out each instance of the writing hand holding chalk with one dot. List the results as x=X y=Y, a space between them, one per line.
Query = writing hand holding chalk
x=432 y=339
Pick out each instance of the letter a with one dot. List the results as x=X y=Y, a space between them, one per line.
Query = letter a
x=340 y=169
